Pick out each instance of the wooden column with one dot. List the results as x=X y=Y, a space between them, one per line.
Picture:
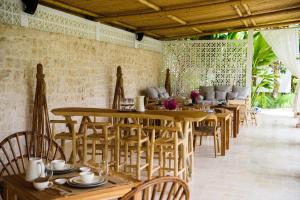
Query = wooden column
x=119 y=90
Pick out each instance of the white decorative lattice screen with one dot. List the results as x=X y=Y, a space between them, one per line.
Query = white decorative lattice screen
x=51 y=20
x=204 y=62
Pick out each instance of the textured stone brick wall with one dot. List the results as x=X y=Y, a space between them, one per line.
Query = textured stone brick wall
x=78 y=72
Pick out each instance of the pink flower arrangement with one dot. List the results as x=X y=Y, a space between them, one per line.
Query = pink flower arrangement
x=170 y=104
x=195 y=95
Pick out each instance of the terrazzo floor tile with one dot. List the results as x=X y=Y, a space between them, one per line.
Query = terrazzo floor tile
x=263 y=163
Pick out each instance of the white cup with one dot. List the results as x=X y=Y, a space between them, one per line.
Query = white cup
x=42 y=184
x=86 y=177
x=58 y=164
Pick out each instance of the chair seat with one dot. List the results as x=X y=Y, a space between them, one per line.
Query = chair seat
x=67 y=135
x=100 y=136
x=206 y=130
x=134 y=139
x=167 y=141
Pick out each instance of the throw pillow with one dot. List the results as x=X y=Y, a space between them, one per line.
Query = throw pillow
x=152 y=93
x=221 y=95
x=226 y=88
x=232 y=95
x=242 y=92
x=210 y=95
x=204 y=89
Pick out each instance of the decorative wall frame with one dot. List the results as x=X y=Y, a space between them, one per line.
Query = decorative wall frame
x=204 y=62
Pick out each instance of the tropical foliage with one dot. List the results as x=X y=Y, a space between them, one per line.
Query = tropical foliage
x=265 y=70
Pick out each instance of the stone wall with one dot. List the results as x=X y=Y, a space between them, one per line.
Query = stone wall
x=78 y=72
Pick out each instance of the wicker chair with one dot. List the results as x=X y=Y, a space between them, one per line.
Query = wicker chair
x=172 y=188
x=17 y=148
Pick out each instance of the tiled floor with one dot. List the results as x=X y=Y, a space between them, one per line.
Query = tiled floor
x=263 y=163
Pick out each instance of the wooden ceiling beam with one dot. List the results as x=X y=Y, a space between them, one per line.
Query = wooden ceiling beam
x=197 y=30
x=72 y=9
x=177 y=19
x=185 y=7
x=226 y=20
x=274 y=25
x=237 y=10
x=150 y=5
x=124 y=25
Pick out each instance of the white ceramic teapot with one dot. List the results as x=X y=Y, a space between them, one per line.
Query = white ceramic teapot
x=35 y=169
x=139 y=104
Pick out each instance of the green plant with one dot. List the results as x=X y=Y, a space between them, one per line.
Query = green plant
x=263 y=56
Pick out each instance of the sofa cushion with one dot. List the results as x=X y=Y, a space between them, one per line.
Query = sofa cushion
x=226 y=88
x=232 y=95
x=204 y=89
x=152 y=93
x=162 y=92
x=242 y=92
x=207 y=92
x=209 y=95
x=220 y=95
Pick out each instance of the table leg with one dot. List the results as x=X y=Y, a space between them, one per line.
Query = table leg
x=223 y=137
x=238 y=121
x=228 y=130
x=235 y=124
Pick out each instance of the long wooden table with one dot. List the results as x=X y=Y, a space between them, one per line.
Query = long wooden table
x=15 y=187
x=186 y=118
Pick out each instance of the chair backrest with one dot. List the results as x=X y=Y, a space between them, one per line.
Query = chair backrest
x=16 y=149
x=160 y=189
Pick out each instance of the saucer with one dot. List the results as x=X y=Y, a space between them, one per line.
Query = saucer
x=67 y=168
x=77 y=182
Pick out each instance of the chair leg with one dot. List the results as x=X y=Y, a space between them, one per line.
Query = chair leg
x=176 y=160
x=200 y=140
x=215 y=147
x=126 y=157
x=74 y=149
x=93 y=151
x=138 y=161
x=194 y=142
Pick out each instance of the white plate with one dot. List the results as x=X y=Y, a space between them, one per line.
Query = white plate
x=96 y=180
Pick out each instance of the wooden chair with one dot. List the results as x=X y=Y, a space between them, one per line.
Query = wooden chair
x=209 y=127
x=102 y=139
x=131 y=139
x=17 y=148
x=172 y=188
x=167 y=142
x=69 y=134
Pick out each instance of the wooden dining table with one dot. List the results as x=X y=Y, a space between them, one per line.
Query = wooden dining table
x=186 y=118
x=15 y=187
x=236 y=116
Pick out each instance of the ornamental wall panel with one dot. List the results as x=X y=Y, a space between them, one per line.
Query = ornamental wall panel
x=51 y=20
x=205 y=63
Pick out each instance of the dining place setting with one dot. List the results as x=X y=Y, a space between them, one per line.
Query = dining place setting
x=65 y=178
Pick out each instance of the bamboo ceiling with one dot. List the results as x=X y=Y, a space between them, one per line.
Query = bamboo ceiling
x=171 y=19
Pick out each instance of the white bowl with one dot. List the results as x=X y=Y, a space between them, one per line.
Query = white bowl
x=58 y=164
x=86 y=177
x=60 y=181
x=85 y=169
